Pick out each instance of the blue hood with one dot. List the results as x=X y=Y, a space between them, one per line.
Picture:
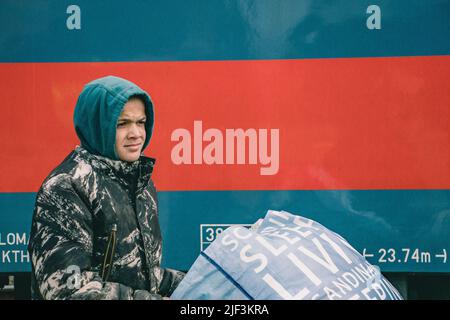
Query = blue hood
x=98 y=108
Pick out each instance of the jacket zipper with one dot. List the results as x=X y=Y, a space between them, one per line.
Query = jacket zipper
x=109 y=254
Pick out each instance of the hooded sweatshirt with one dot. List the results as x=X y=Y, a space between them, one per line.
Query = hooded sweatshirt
x=95 y=231
x=98 y=109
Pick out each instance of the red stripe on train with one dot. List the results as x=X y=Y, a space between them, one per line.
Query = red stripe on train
x=362 y=123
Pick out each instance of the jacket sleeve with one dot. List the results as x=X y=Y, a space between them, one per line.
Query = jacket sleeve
x=170 y=278
x=61 y=248
x=170 y=281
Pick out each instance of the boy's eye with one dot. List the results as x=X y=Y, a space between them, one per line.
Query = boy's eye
x=121 y=124
x=142 y=122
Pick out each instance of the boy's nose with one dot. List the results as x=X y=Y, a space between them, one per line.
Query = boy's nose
x=134 y=131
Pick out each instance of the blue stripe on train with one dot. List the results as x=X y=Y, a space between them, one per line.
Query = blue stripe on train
x=181 y=30
x=407 y=225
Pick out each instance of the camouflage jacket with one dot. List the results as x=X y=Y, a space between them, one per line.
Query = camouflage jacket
x=95 y=232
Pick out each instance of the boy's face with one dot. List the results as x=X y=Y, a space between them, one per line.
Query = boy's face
x=130 y=132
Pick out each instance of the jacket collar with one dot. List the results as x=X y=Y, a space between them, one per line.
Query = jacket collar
x=125 y=172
